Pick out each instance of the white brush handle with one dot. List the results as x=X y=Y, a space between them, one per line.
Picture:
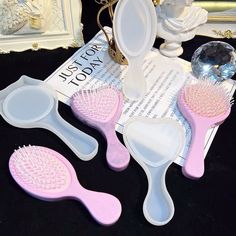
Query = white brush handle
x=158 y=207
x=82 y=144
x=134 y=83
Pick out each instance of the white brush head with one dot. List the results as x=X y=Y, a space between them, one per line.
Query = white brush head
x=153 y=141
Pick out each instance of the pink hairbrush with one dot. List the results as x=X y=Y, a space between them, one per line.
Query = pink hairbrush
x=204 y=104
x=47 y=175
x=101 y=108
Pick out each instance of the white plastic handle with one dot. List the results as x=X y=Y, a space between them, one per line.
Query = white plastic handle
x=134 y=83
x=83 y=145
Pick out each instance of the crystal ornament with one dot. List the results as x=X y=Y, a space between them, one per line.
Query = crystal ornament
x=215 y=60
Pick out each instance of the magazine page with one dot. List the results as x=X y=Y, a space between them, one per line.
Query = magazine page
x=91 y=67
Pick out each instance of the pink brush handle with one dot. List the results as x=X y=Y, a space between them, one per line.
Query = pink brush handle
x=117 y=155
x=104 y=207
x=194 y=164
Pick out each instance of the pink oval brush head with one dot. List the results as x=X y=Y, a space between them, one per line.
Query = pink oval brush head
x=101 y=109
x=47 y=175
x=204 y=104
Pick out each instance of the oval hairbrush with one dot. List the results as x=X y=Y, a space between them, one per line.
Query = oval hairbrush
x=204 y=104
x=101 y=109
x=47 y=175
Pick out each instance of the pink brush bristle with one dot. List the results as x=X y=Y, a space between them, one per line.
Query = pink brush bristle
x=204 y=104
x=101 y=108
x=206 y=98
x=47 y=175
x=99 y=105
x=38 y=168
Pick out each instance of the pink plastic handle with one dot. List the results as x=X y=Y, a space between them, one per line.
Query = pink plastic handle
x=117 y=155
x=194 y=164
x=104 y=207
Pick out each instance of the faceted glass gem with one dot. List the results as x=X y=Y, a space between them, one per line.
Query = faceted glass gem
x=215 y=60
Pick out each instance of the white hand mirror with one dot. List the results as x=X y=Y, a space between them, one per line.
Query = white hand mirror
x=31 y=103
x=134 y=27
x=155 y=144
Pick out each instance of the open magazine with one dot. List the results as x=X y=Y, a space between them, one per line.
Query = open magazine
x=91 y=67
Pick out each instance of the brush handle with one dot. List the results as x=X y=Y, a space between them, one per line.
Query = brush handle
x=104 y=207
x=82 y=144
x=134 y=83
x=193 y=167
x=117 y=155
x=158 y=207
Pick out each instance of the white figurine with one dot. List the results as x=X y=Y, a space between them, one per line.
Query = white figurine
x=177 y=21
x=13 y=16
